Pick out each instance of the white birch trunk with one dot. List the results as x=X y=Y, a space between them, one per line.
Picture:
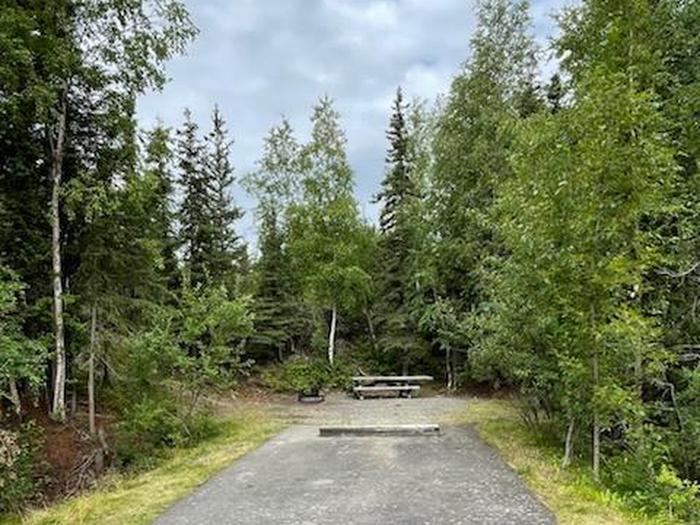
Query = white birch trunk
x=331 y=335
x=14 y=397
x=596 y=419
x=58 y=408
x=568 y=445
x=370 y=326
x=448 y=369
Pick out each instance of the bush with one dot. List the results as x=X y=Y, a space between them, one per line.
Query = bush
x=307 y=376
x=20 y=466
x=160 y=391
x=153 y=425
x=644 y=478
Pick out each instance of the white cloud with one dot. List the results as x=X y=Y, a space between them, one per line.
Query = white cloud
x=261 y=59
x=379 y=14
x=424 y=81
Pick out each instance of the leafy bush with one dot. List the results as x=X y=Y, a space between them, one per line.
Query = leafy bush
x=307 y=376
x=644 y=478
x=189 y=351
x=152 y=425
x=160 y=390
x=145 y=428
x=21 y=358
x=20 y=466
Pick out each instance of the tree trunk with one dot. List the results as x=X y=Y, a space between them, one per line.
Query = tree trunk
x=331 y=335
x=638 y=373
x=596 y=419
x=596 y=447
x=568 y=445
x=14 y=397
x=91 y=372
x=280 y=353
x=455 y=378
x=73 y=401
x=101 y=452
x=448 y=369
x=57 y=140
x=370 y=326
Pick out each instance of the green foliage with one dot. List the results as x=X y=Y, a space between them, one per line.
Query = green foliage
x=21 y=359
x=151 y=426
x=328 y=242
x=308 y=375
x=281 y=319
x=20 y=466
x=326 y=233
x=164 y=372
x=207 y=215
x=398 y=240
x=473 y=135
x=211 y=327
x=541 y=238
x=645 y=479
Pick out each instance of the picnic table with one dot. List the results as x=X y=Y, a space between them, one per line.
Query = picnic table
x=404 y=386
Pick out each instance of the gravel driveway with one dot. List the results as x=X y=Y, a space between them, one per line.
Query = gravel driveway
x=301 y=478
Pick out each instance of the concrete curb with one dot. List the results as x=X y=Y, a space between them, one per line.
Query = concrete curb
x=380 y=430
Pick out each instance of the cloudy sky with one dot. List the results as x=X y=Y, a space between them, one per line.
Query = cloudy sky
x=264 y=59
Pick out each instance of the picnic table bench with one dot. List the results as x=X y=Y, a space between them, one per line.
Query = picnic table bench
x=404 y=386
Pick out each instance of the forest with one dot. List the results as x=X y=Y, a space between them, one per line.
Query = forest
x=538 y=236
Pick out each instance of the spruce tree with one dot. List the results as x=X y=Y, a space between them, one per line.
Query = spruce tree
x=159 y=169
x=227 y=251
x=196 y=228
x=555 y=93
x=276 y=315
x=397 y=184
x=281 y=317
x=397 y=331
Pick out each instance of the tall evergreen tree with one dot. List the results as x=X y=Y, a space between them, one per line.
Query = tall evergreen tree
x=555 y=93
x=396 y=327
x=227 y=251
x=195 y=225
x=397 y=184
x=277 y=319
x=158 y=153
x=281 y=318
x=213 y=252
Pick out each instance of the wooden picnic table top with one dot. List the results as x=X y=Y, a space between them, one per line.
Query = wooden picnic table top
x=386 y=388
x=373 y=379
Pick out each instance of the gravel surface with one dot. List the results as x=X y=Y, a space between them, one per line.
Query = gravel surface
x=340 y=409
x=300 y=478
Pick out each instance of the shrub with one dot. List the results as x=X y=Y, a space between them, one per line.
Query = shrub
x=20 y=466
x=153 y=425
x=644 y=478
x=307 y=375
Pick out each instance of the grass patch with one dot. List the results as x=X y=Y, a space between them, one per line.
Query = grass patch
x=137 y=499
x=571 y=495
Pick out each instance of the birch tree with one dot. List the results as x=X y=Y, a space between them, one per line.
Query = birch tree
x=100 y=50
x=576 y=220
x=327 y=236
